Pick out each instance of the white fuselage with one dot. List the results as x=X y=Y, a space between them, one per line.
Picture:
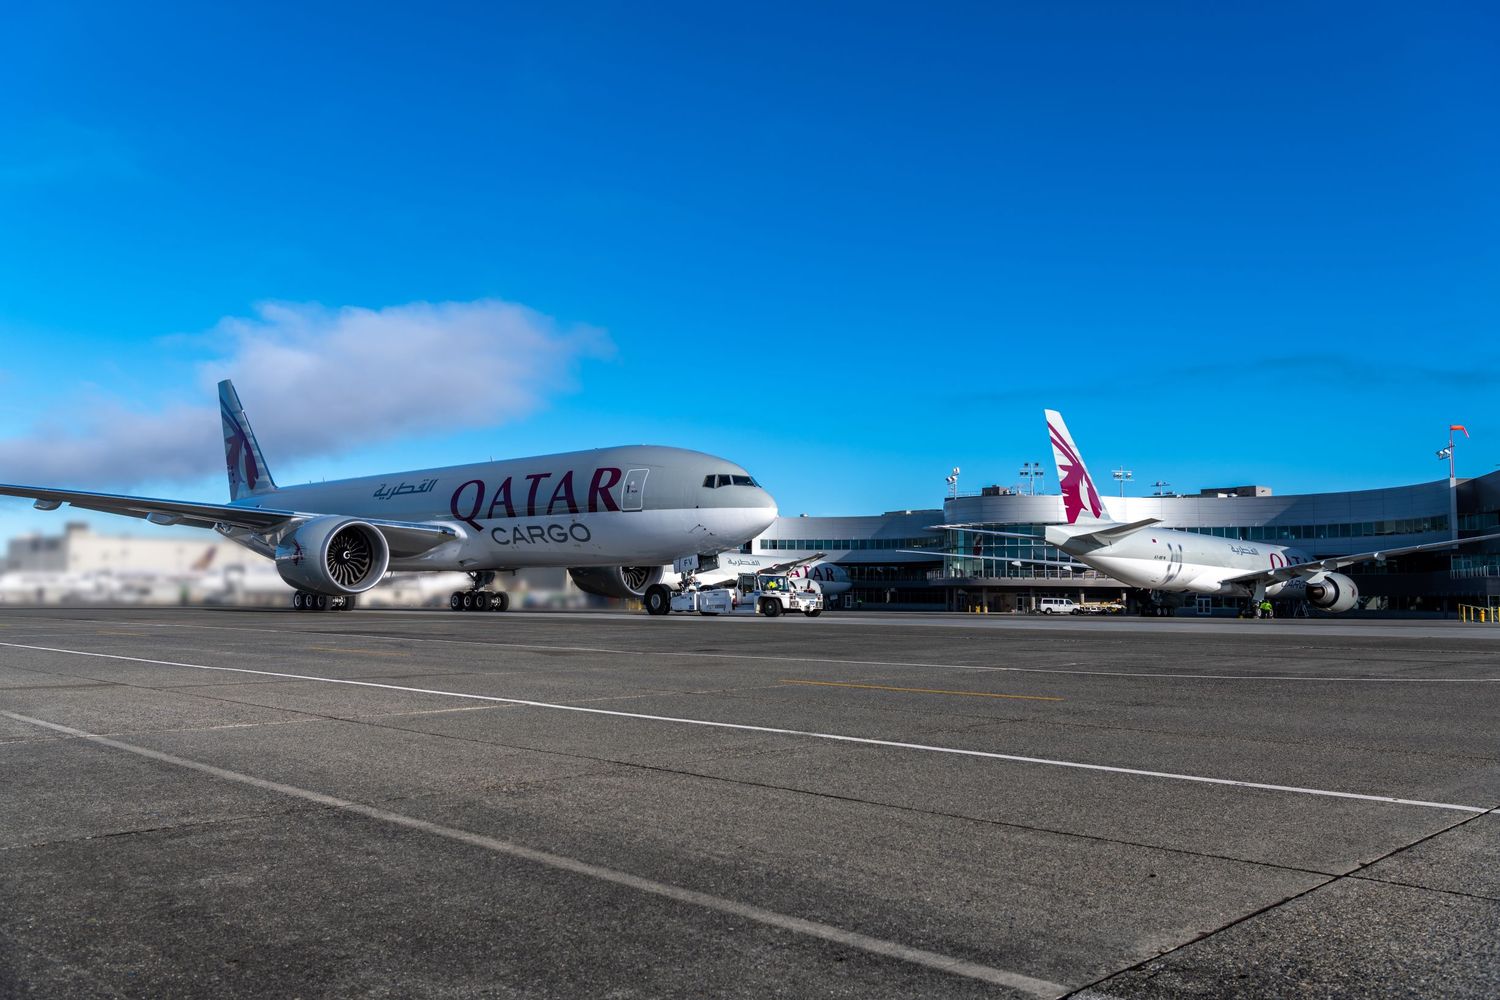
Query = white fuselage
x=1167 y=559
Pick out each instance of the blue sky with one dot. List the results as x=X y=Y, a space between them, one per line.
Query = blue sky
x=847 y=246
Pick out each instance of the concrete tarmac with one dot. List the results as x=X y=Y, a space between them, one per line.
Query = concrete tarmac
x=401 y=804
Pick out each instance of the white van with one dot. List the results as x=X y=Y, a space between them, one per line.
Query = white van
x=1056 y=606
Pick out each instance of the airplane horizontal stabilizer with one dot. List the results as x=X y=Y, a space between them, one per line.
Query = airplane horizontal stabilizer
x=1108 y=533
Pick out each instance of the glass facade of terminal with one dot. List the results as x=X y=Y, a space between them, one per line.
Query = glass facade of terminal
x=932 y=541
x=1000 y=560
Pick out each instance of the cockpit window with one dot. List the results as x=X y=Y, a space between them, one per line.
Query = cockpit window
x=713 y=482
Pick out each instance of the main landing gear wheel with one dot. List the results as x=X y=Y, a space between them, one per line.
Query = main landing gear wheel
x=658 y=600
x=479 y=600
x=306 y=600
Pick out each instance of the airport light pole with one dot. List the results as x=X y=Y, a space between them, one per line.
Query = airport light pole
x=952 y=482
x=1161 y=487
x=1452 y=479
x=1448 y=451
x=1031 y=471
x=1124 y=476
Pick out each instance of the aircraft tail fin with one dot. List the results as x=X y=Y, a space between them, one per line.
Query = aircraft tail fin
x=248 y=472
x=1080 y=495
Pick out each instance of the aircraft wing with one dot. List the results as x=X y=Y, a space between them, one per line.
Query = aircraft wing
x=1104 y=533
x=793 y=564
x=1315 y=566
x=975 y=530
x=1080 y=567
x=199 y=515
x=406 y=538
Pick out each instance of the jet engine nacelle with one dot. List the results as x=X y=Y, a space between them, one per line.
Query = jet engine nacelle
x=1332 y=592
x=624 y=582
x=333 y=555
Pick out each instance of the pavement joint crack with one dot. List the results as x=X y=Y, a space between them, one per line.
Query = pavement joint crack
x=1484 y=897
x=217 y=822
x=1352 y=875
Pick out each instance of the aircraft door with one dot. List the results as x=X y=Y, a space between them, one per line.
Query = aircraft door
x=634 y=497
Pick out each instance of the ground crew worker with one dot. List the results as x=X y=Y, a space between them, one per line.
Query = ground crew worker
x=1265 y=609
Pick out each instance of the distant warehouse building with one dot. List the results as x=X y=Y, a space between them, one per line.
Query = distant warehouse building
x=80 y=550
x=914 y=560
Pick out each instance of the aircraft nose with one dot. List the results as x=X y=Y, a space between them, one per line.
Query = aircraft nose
x=766 y=504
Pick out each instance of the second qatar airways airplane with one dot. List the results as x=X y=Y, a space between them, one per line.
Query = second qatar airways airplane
x=1140 y=554
x=612 y=516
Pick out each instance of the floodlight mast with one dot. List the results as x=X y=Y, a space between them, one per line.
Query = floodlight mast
x=1030 y=472
x=1448 y=451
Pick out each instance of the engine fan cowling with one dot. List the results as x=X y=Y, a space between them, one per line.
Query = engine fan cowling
x=622 y=582
x=333 y=555
x=1332 y=592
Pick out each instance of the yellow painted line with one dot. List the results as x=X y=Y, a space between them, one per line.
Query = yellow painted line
x=133 y=635
x=965 y=694
x=362 y=652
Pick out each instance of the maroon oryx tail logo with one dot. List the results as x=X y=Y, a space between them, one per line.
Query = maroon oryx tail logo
x=237 y=450
x=1077 y=485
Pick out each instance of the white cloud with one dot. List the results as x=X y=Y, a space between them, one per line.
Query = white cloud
x=319 y=381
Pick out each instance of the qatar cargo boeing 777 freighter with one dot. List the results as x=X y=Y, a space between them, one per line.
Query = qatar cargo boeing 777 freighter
x=616 y=517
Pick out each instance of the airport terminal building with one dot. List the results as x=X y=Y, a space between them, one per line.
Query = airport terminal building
x=912 y=560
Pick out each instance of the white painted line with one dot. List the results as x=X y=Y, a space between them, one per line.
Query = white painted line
x=811 y=928
x=777 y=731
x=788 y=658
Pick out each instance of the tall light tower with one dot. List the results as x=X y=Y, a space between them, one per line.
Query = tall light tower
x=952 y=482
x=1124 y=476
x=1160 y=487
x=1448 y=451
x=1031 y=472
x=1452 y=478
